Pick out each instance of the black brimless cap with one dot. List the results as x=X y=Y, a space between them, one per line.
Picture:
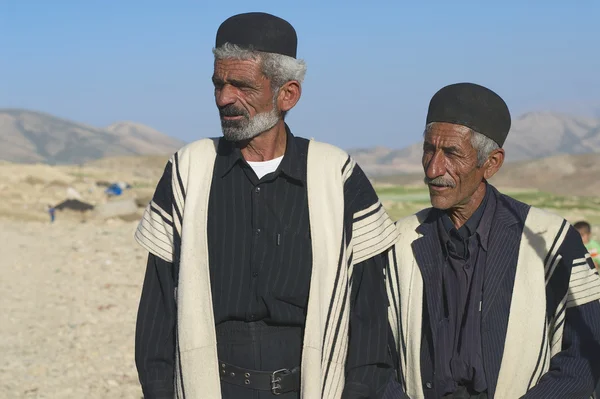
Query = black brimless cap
x=259 y=31
x=473 y=106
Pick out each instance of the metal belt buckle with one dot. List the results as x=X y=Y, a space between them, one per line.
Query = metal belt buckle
x=275 y=380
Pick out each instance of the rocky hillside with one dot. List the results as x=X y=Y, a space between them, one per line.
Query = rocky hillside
x=30 y=137
x=532 y=136
x=560 y=175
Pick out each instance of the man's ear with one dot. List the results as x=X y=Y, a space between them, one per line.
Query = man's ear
x=289 y=95
x=493 y=163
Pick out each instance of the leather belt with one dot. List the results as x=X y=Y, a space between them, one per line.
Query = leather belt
x=462 y=393
x=278 y=382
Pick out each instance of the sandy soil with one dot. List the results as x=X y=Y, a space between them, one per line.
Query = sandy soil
x=70 y=292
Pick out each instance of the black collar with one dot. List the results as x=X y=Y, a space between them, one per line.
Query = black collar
x=292 y=165
x=479 y=222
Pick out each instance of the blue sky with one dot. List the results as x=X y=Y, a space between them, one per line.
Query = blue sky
x=372 y=65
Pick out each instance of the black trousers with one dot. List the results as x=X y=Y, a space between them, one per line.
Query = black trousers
x=258 y=346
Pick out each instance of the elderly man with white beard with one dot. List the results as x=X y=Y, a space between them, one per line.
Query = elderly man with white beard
x=267 y=250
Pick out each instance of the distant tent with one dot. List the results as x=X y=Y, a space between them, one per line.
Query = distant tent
x=74 y=205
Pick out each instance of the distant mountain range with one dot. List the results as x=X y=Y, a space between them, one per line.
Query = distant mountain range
x=29 y=137
x=532 y=136
x=572 y=174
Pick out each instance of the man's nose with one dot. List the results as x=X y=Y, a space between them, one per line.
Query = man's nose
x=436 y=166
x=225 y=95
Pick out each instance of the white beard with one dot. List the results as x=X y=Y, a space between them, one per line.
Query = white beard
x=251 y=128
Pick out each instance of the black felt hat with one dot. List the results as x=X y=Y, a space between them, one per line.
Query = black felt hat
x=259 y=31
x=473 y=106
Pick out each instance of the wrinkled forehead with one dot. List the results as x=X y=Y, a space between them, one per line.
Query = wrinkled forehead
x=236 y=69
x=447 y=134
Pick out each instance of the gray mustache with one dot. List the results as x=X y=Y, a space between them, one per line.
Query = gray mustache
x=230 y=110
x=439 y=181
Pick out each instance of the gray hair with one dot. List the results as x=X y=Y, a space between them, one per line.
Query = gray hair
x=278 y=68
x=481 y=143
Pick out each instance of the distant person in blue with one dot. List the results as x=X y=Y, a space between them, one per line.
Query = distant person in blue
x=52 y=212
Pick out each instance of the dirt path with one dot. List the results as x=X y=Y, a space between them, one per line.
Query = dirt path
x=69 y=299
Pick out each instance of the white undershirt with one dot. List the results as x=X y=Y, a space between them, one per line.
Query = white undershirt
x=264 y=168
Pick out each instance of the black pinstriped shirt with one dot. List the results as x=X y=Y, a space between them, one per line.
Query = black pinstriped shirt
x=259 y=238
x=459 y=355
x=260 y=259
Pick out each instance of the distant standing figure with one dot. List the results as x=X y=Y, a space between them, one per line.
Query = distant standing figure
x=592 y=246
x=51 y=211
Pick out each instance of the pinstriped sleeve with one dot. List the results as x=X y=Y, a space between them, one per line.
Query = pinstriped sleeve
x=156 y=229
x=155 y=326
x=155 y=331
x=575 y=368
x=371 y=232
x=369 y=366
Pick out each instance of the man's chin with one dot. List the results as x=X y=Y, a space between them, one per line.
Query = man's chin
x=439 y=202
x=237 y=136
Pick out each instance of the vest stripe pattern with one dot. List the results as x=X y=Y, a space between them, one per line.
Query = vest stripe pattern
x=405 y=293
x=181 y=237
x=543 y=289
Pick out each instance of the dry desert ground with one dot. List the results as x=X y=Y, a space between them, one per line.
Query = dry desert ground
x=70 y=289
x=69 y=298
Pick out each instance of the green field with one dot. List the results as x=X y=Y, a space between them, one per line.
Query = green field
x=402 y=201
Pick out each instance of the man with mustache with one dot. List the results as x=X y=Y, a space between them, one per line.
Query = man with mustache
x=267 y=250
x=489 y=297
